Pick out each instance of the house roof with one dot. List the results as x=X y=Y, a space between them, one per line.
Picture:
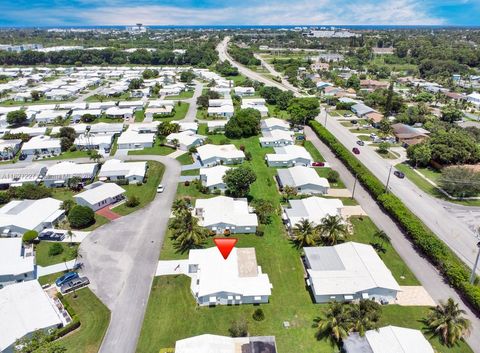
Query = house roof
x=106 y=128
x=219 y=151
x=130 y=136
x=347 y=268
x=186 y=138
x=41 y=142
x=100 y=191
x=24 y=308
x=312 y=208
x=68 y=169
x=115 y=167
x=403 y=131
x=288 y=153
x=226 y=210
x=29 y=214
x=214 y=175
x=272 y=123
x=29 y=173
x=276 y=135
x=218 y=275
x=299 y=176
x=12 y=258
x=220 y=344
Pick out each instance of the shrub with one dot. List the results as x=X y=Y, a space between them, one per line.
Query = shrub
x=29 y=236
x=186 y=183
x=239 y=328
x=333 y=176
x=438 y=253
x=81 y=216
x=55 y=249
x=132 y=201
x=258 y=315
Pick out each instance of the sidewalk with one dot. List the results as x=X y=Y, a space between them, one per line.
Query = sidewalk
x=48 y=270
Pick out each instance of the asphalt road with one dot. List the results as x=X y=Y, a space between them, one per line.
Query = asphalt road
x=121 y=257
x=431 y=280
x=192 y=108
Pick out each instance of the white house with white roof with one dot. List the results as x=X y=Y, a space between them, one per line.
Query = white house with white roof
x=42 y=145
x=274 y=124
x=9 y=148
x=212 y=178
x=151 y=112
x=216 y=125
x=119 y=113
x=255 y=103
x=89 y=141
x=59 y=174
x=347 y=272
x=135 y=105
x=185 y=140
x=24 y=309
x=236 y=280
x=244 y=91
x=221 y=344
x=115 y=169
x=474 y=98
x=76 y=115
x=30 y=131
x=106 y=129
x=17 y=263
x=32 y=173
x=304 y=180
x=132 y=140
x=99 y=195
x=276 y=138
x=48 y=116
x=212 y=155
x=188 y=126
x=223 y=214
x=387 y=339
x=289 y=156
x=17 y=217
x=312 y=208
x=221 y=107
x=101 y=105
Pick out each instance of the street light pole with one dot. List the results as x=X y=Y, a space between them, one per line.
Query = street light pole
x=326 y=115
x=474 y=269
x=388 y=179
x=354 y=185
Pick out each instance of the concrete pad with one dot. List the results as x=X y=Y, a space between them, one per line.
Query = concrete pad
x=339 y=193
x=43 y=271
x=348 y=211
x=176 y=153
x=172 y=267
x=414 y=296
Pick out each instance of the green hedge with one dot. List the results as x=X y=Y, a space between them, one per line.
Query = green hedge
x=454 y=270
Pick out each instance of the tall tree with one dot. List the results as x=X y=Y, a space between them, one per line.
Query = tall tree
x=333 y=230
x=238 y=180
x=305 y=233
x=334 y=325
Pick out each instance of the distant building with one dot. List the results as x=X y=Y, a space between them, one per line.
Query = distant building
x=139 y=28
x=59 y=174
x=17 y=263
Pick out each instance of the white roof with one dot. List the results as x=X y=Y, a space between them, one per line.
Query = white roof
x=41 y=142
x=216 y=123
x=276 y=135
x=161 y=103
x=51 y=114
x=209 y=344
x=186 y=138
x=115 y=167
x=214 y=175
x=30 y=173
x=82 y=112
x=185 y=125
x=29 y=214
x=29 y=130
x=394 y=339
x=93 y=140
x=347 y=268
x=130 y=136
x=100 y=191
x=226 y=210
x=312 y=208
x=12 y=258
x=119 y=111
x=299 y=176
x=106 y=128
x=66 y=170
x=24 y=308
x=219 y=151
x=124 y=104
x=288 y=153
x=217 y=275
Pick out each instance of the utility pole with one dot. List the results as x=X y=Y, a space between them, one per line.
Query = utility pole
x=326 y=115
x=388 y=179
x=354 y=186
x=474 y=269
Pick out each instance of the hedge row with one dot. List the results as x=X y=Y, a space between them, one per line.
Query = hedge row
x=454 y=270
x=73 y=325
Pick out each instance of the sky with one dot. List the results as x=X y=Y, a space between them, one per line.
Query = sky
x=243 y=12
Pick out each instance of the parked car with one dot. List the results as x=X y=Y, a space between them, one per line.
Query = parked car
x=355 y=150
x=318 y=164
x=65 y=278
x=300 y=138
x=347 y=115
x=74 y=284
x=399 y=174
x=354 y=122
x=160 y=188
x=52 y=236
x=360 y=143
x=22 y=157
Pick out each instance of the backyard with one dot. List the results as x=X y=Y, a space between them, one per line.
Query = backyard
x=44 y=258
x=156 y=149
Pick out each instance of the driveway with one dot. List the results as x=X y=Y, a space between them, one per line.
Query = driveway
x=108 y=213
x=121 y=258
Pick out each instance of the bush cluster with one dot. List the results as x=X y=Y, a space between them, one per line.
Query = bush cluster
x=455 y=271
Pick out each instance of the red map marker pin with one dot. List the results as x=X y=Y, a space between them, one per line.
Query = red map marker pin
x=225 y=245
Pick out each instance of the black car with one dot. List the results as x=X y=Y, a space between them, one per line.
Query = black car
x=52 y=236
x=22 y=157
x=74 y=284
x=399 y=174
x=360 y=143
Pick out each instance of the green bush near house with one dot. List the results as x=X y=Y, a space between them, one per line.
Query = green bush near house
x=29 y=236
x=81 y=216
x=454 y=270
x=55 y=249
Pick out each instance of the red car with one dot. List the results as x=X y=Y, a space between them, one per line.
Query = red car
x=318 y=164
x=355 y=150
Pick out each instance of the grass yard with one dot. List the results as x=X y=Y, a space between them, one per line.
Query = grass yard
x=364 y=138
x=317 y=157
x=139 y=116
x=145 y=192
x=237 y=79
x=114 y=148
x=157 y=149
x=50 y=279
x=69 y=155
x=274 y=111
x=185 y=159
x=191 y=172
x=290 y=301
x=182 y=95
x=94 y=318
x=62 y=194
x=44 y=259
x=388 y=155
x=181 y=110
x=323 y=172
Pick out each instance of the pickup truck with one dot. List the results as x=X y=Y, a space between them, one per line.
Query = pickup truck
x=74 y=284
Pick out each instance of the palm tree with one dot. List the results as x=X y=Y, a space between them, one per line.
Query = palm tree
x=333 y=230
x=304 y=233
x=95 y=156
x=187 y=234
x=384 y=238
x=179 y=206
x=446 y=320
x=289 y=192
x=334 y=325
x=364 y=316
x=70 y=235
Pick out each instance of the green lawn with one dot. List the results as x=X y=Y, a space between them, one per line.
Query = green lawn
x=139 y=116
x=146 y=192
x=94 y=319
x=274 y=111
x=50 y=279
x=317 y=157
x=323 y=172
x=364 y=137
x=290 y=300
x=388 y=155
x=157 y=149
x=114 y=148
x=185 y=159
x=182 y=95
x=237 y=80
x=191 y=172
x=181 y=110
x=69 y=155
x=62 y=194
x=43 y=259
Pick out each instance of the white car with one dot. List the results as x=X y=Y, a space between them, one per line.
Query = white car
x=160 y=188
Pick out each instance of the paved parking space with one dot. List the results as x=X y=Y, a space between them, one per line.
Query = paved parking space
x=172 y=267
x=339 y=193
x=108 y=213
x=414 y=296
x=348 y=211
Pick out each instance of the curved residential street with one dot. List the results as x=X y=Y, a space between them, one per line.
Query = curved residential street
x=121 y=257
